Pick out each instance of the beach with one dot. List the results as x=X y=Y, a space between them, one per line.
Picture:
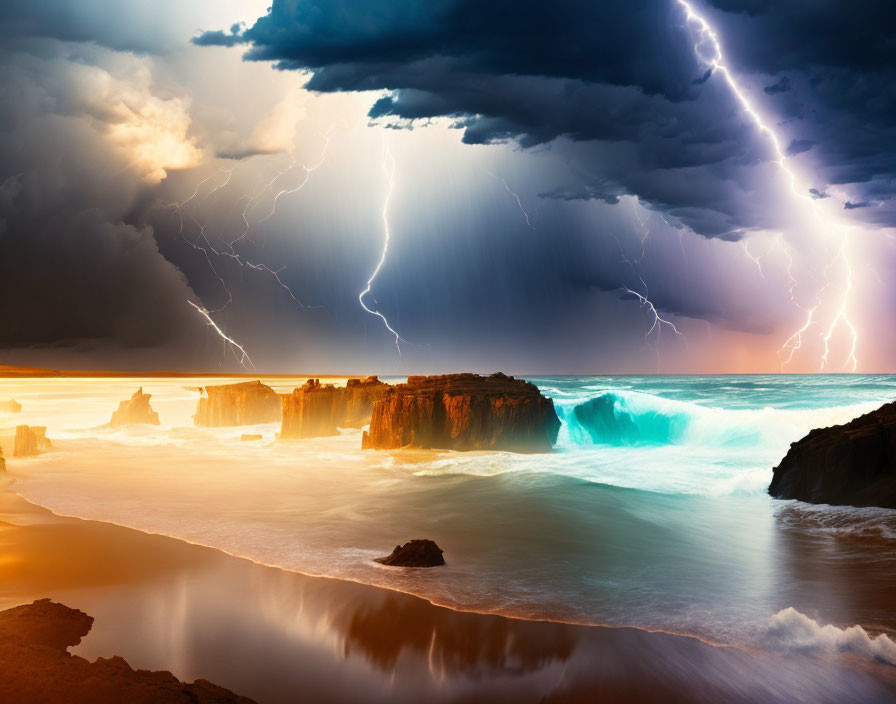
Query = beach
x=276 y=636
x=628 y=569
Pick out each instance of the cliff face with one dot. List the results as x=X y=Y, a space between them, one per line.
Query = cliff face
x=34 y=642
x=137 y=411
x=247 y=403
x=852 y=464
x=30 y=440
x=317 y=410
x=464 y=412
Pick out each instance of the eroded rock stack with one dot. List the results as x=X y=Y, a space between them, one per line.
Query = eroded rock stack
x=318 y=410
x=137 y=411
x=852 y=464
x=11 y=406
x=30 y=440
x=464 y=412
x=247 y=403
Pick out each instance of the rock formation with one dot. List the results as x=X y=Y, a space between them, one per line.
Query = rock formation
x=247 y=403
x=852 y=464
x=137 y=411
x=11 y=406
x=37 y=667
x=250 y=437
x=2 y=461
x=464 y=412
x=416 y=553
x=317 y=410
x=30 y=440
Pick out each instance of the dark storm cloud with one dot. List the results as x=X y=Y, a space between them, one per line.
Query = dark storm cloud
x=72 y=267
x=617 y=72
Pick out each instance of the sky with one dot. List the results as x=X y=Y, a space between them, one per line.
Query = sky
x=314 y=186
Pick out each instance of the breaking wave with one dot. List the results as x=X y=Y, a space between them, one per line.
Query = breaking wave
x=632 y=418
x=792 y=630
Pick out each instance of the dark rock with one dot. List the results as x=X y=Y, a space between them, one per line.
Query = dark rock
x=137 y=411
x=37 y=667
x=317 y=410
x=464 y=412
x=852 y=464
x=247 y=403
x=416 y=553
x=30 y=440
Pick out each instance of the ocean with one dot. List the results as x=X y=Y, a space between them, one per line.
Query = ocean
x=651 y=512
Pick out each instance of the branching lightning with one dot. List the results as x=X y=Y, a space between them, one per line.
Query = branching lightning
x=244 y=356
x=709 y=50
x=389 y=173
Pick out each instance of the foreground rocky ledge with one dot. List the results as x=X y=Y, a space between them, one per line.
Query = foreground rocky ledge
x=464 y=412
x=246 y=403
x=852 y=464
x=35 y=666
x=136 y=411
x=317 y=410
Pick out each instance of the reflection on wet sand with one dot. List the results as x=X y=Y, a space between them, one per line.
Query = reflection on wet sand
x=281 y=637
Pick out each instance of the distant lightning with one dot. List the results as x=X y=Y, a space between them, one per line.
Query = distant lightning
x=658 y=320
x=308 y=171
x=389 y=173
x=755 y=260
x=513 y=194
x=229 y=340
x=709 y=50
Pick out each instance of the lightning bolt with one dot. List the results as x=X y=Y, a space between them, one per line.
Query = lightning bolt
x=515 y=197
x=308 y=171
x=658 y=320
x=389 y=173
x=709 y=50
x=229 y=340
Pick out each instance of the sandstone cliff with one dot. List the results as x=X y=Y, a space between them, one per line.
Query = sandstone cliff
x=464 y=412
x=30 y=440
x=37 y=667
x=136 y=411
x=852 y=464
x=317 y=410
x=247 y=403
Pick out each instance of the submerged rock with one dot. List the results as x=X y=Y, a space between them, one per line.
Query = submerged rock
x=37 y=667
x=247 y=403
x=136 y=411
x=250 y=437
x=30 y=440
x=11 y=406
x=852 y=464
x=416 y=553
x=464 y=412
x=317 y=410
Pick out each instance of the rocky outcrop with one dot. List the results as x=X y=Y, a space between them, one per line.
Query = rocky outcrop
x=2 y=461
x=247 y=403
x=416 y=553
x=30 y=440
x=137 y=411
x=318 y=410
x=250 y=437
x=37 y=667
x=852 y=464
x=464 y=412
x=11 y=406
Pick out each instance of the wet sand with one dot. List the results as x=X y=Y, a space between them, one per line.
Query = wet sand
x=277 y=636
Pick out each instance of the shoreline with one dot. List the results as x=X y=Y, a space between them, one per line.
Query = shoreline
x=165 y=604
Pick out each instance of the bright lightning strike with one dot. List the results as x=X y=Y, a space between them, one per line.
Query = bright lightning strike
x=658 y=320
x=389 y=173
x=709 y=50
x=229 y=340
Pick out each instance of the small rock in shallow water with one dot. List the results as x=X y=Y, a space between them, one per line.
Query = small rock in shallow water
x=416 y=553
x=249 y=437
